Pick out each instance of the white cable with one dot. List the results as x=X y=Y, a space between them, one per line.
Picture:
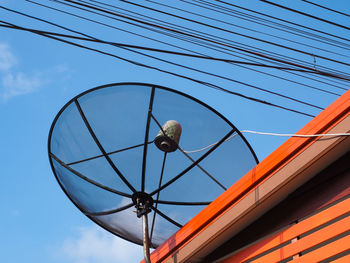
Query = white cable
x=273 y=134
x=199 y=150
x=297 y=135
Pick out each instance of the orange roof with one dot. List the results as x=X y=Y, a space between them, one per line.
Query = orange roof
x=294 y=146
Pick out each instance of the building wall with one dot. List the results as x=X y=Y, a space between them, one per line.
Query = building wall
x=313 y=220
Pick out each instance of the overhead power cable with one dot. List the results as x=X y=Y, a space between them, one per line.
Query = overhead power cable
x=281 y=68
x=202 y=38
x=269 y=23
x=232 y=32
x=196 y=52
x=152 y=49
x=331 y=84
x=228 y=51
x=306 y=14
x=250 y=20
x=226 y=13
x=182 y=48
x=206 y=36
x=221 y=50
x=233 y=25
x=201 y=71
x=162 y=60
x=327 y=8
x=245 y=28
x=177 y=30
x=208 y=84
x=189 y=35
x=285 y=21
x=130 y=22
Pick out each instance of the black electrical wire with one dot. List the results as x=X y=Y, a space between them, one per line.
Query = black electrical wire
x=183 y=33
x=192 y=3
x=117 y=7
x=172 y=45
x=200 y=36
x=235 y=33
x=245 y=47
x=206 y=7
x=269 y=23
x=290 y=30
x=233 y=80
x=112 y=13
x=221 y=50
x=218 y=76
x=306 y=14
x=245 y=28
x=177 y=30
x=167 y=43
x=154 y=49
x=285 y=21
x=208 y=84
x=251 y=21
x=122 y=21
x=327 y=83
x=106 y=25
x=212 y=45
x=327 y=8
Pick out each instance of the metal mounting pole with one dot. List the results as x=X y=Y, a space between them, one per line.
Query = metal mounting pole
x=146 y=241
x=143 y=202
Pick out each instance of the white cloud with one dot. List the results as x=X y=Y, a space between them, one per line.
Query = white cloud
x=95 y=245
x=7 y=59
x=19 y=84
x=13 y=82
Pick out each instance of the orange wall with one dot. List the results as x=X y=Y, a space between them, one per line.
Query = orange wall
x=330 y=223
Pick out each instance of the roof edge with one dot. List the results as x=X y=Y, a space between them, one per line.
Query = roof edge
x=323 y=122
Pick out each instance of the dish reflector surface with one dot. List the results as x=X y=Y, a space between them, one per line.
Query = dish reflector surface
x=102 y=152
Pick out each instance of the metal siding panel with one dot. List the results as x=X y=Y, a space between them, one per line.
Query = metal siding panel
x=292 y=232
x=327 y=251
x=307 y=242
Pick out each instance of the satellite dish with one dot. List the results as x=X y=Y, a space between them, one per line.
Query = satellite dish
x=126 y=151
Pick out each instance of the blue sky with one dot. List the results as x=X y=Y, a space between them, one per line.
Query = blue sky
x=38 y=76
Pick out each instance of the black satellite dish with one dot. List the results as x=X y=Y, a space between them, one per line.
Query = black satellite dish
x=127 y=151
